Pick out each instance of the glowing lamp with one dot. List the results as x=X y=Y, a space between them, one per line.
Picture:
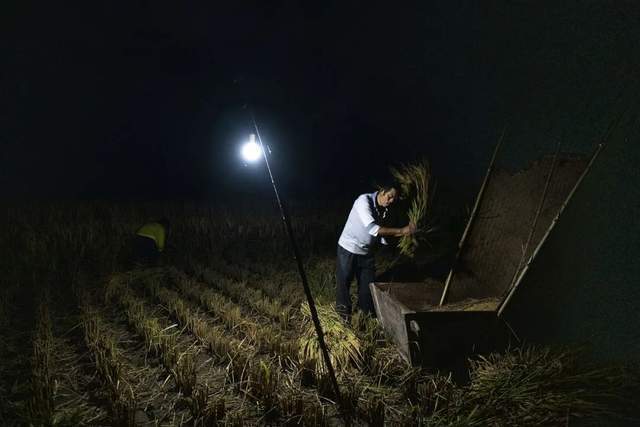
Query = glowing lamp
x=251 y=151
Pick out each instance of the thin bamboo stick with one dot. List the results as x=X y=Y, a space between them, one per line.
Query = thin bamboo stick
x=463 y=239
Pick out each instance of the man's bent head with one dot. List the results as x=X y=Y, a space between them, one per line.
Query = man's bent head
x=386 y=196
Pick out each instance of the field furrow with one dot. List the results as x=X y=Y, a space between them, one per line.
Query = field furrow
x=270 y=378
x=380 y=360
x=368 y=394
x=183 y=360
x=60 y=394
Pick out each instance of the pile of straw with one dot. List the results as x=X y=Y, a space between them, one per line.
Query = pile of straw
x=414 y=180
x=540 y=386
x=532 y=386
x=342 y=342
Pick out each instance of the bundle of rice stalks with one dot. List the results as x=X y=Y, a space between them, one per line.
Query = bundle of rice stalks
x=539 y=386
x=414 y=180
x=342 y=342
x=523 y=386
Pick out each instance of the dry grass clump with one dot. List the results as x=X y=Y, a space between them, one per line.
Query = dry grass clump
x=109 y=365
x=539 y=386
x=41 y=407
x=342 y=342
x=414 y=180
x=523 y=386
x=263 y=385
x=184 y=373
x=206 y=408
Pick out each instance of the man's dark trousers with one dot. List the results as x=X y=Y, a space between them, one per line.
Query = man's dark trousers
x=363 y=267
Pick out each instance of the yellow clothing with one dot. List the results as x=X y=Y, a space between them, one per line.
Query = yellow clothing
x=155 y=231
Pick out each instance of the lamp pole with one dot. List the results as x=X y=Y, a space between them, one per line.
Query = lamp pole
x=301 y=271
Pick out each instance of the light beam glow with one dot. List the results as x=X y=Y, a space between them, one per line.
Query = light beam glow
x=251 y=151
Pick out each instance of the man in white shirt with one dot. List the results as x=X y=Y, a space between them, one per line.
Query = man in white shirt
x=360 y=234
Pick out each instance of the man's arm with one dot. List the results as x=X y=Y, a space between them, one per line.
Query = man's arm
x=397 y=232
x=363 y=209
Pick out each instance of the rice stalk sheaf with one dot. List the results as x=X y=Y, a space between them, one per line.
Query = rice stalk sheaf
x=540 y=386
x=414 y=181
x=342 y=342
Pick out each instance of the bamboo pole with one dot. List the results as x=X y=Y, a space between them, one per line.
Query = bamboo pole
x=504 y=304
x=463 y=239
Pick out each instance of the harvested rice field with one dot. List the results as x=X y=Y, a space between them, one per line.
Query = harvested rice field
x=217 y=332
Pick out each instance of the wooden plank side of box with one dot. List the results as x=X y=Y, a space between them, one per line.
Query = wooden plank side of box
x=446 y=338
x=391 y=315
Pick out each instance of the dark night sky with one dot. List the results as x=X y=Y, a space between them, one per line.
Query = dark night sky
x=144 y=99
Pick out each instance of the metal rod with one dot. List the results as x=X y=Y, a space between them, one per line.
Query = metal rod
x=303 y=275
x=463 y=239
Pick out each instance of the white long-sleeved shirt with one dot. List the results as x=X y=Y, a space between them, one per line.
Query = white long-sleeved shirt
x=360 y=232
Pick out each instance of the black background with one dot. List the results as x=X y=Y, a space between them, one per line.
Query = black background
x=145 y=100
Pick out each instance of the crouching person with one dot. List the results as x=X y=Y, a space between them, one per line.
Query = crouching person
x=150 y=241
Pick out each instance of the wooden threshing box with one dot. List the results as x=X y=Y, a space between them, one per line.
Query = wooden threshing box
x=435 y=323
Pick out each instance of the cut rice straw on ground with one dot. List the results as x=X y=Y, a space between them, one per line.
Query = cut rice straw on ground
x=343 y=344
x=538 y=386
